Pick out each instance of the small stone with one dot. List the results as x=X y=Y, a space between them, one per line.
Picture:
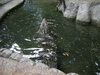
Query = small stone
x=16 y=56
x=27 y=61
x=6 y=53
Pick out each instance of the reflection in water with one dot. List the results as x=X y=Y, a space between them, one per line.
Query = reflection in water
x=78 y=45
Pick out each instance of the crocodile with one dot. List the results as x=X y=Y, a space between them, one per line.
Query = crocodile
x=45 y=40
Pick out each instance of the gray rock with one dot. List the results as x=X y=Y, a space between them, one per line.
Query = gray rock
x=71 y=8
x=12 y=67
x=95 y=14
x=83 y=14
x=2 y=49
x=4 y=1
x=27 y=61
x=58 y=72
x=61 y=7
x=6 y=53
x=82 y=10
x=16 y=56
x=41 y=65
x=8 y=6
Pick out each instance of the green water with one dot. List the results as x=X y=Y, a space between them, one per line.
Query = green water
x=78 y=46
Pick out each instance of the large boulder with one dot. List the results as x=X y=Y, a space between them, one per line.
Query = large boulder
x=71 y=8
x=11 y=67
x=95 y=15
x=83 y=13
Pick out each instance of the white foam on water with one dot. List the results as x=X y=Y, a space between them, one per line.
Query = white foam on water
x=40 y=49
x=31 y=56
x=27 y=39
x=15 y=47
x=97 y=73
x=96 y=63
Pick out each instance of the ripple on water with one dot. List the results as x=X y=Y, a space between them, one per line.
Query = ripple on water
x=78 y=45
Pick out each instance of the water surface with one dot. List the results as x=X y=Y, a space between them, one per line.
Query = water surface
x=78 y=46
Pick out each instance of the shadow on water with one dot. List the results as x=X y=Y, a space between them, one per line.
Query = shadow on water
x=78 y=45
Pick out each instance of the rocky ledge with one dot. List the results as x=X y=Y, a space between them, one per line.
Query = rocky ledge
x=12 y=63
x=11 y=67
x=86 y=11
x=7 y=5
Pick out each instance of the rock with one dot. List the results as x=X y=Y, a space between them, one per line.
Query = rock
x=4 y=1
x=16 y=56
x=41 y=65
x=6 y=53
x=84 y=11
x=2 y=49
x=83 y=14
x=72 y=74
x=71 y=8
x=27 y=61
x=8 y=6
x=95 y=15
x=11 y=67
x=61 y=6
x=58 y=72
